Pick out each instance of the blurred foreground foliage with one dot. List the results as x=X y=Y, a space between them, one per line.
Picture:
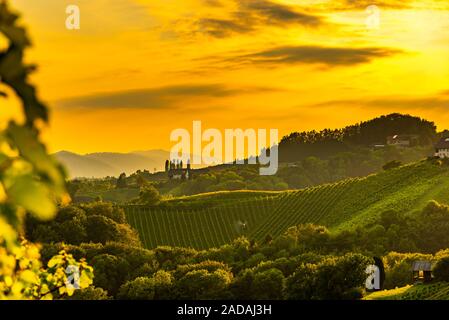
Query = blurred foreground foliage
x=31 y=181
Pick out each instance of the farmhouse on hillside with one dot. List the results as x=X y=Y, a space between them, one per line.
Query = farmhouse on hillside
x=176 y=171
x=403 y=140
x=442 y=148
x=422 y=271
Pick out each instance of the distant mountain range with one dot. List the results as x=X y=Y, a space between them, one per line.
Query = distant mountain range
x=99 y=165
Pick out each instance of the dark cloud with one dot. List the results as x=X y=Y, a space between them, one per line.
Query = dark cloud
x=439 y=102
x=165 y=97
x=315 y=55
x=147 y=98
x=275 y=13
x=252 y=14
x=220 y=28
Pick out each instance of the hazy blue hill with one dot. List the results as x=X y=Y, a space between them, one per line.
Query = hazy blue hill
x=126 y=162
x=156 y=155
x=100 y=165
x=81 y=166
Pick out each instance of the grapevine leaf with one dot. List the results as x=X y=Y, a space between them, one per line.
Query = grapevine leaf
x=32 y=195
x=33 y=151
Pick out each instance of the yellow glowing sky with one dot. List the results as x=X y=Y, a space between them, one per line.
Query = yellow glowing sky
x=138 y=69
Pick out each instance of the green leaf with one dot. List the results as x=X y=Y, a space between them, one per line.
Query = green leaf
x=26 y=141
x=33 y=196
x=16 y=35
x=11 y=66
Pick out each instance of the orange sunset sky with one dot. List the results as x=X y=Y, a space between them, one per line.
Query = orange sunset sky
x=137 y=69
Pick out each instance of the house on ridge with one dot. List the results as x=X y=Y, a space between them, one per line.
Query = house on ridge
x=442 y=148
x=403 y=140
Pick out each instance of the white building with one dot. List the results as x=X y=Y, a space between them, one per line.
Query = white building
x=403 y=140
x=442 y=148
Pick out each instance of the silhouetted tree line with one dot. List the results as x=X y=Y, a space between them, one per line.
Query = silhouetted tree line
x=323 y=144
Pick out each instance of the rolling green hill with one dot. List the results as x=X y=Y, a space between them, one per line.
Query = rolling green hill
x=214 y=219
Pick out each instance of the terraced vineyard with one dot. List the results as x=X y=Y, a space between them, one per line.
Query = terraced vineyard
x=214 y=219
x=309 y=205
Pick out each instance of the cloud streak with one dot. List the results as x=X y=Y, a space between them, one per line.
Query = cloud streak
x=437 y=102
x=274 y=13
x=156 y=98
x=221 y=28
x=253 y=14
x=328 y=56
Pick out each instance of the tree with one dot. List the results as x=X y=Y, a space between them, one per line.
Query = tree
x=141 y=288
x=72 y=188
x=121 y=181
x=141 y=181
x=90 y=293
x=149 y=195
x=301 y=284
x=242 y=286
x=157 y=287
x=163 y=285
x=107 y=210
x=334 y=278
x=309 y=236
x=202 y=284
x=337 y=278
x=268 y=285
x=441 y=269
x=101 y=229
x=208 y=265
x=73 y=232
x=433 y=227
x=110 y=272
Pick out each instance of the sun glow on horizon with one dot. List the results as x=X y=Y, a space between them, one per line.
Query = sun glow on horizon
x=137 y=69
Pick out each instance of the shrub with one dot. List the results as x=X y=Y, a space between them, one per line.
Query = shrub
x=90 y=293
x=441 y=269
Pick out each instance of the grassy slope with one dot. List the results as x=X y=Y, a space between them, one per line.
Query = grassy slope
x=217 y=218
x=434 y=291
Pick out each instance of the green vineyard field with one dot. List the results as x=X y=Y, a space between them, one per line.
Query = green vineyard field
x=214 y=219
x=434 y=291
x=198 y=227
